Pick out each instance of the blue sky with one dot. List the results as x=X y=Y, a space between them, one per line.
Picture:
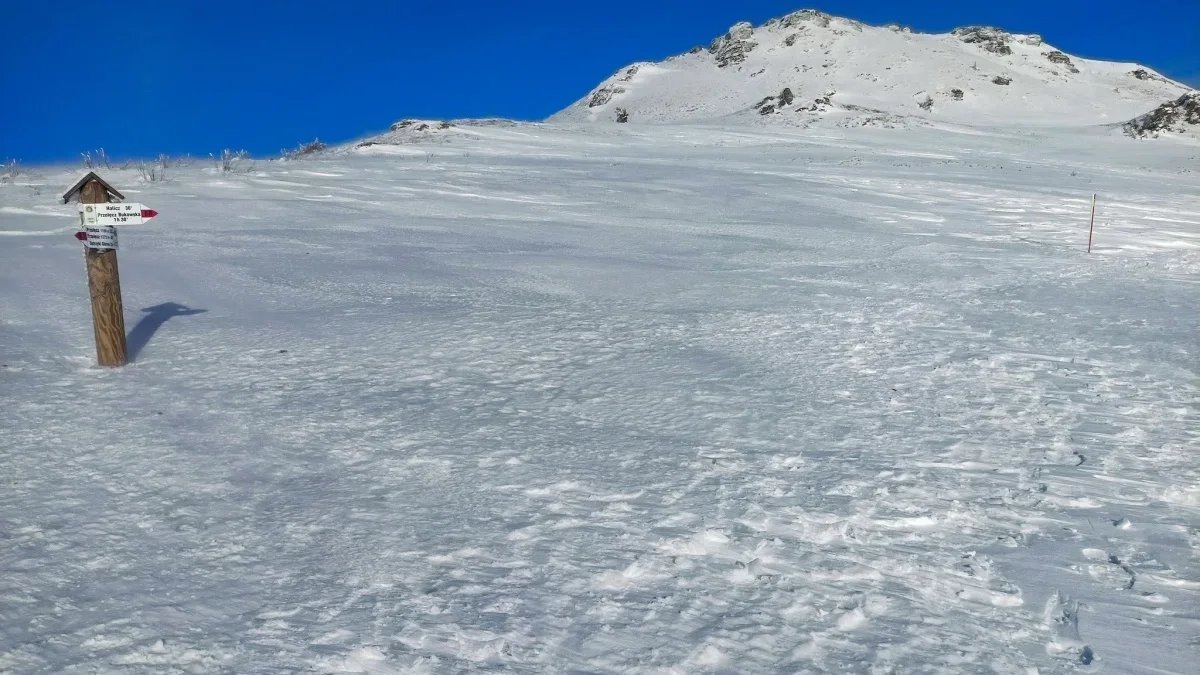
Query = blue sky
x=193 y=76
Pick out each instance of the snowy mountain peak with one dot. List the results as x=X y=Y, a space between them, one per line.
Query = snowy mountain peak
x=841 y=71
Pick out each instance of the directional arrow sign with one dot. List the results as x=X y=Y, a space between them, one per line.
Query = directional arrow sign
x=116 y=214
x=102 y=237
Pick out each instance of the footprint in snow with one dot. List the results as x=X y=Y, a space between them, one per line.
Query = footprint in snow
x=1062 y=619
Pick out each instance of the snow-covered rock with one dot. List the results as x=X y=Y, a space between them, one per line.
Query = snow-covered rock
x=1179 y=116
x=1061 y=59
x=988 y=38
x=732 y=47
x=426 y=131
x=914 y=79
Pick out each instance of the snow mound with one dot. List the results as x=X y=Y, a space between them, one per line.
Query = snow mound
x=411 y=131
x=975 y=75
x=1179 y=116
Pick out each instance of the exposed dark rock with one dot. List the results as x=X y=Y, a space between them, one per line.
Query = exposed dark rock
x=790 y=41
x=1173 y=116
x=956 y=94
x=485 y=122
x=403 y=124
x=821 y=104
x=1143 y=74
x=772 y=104
x=897 y=28
x=629 y=73
x=991 y=39
x=732 y=47
x=696 y=50
x=927 y=104
x=1002 y=80
x=1061 y=59
x=622 y=115
x=604 y=94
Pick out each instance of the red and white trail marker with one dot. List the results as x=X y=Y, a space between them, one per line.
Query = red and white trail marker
x=1092 y=225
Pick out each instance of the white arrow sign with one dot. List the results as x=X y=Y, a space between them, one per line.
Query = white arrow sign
x=102 y=237
x=115 y=214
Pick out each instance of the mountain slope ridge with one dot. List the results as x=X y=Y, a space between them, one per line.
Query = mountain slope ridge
x=811 y=67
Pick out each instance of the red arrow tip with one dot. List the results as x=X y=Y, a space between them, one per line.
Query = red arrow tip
x=81 y=235
x=149 y=213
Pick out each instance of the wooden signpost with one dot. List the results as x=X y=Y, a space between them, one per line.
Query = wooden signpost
x=100 y=251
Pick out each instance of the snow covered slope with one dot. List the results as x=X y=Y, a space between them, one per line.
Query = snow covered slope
x=614 y=399
x=809 y=66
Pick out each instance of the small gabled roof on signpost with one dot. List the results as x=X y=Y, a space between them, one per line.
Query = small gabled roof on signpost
x=91 y=176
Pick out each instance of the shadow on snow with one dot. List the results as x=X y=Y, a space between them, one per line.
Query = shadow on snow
x=155 y=317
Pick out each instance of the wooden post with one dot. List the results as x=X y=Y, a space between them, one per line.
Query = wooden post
x=1092 y=227
x=104 y=286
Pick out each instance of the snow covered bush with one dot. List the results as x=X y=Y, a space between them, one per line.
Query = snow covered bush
x=233 y=162
x=304 y=149
x=10 y=170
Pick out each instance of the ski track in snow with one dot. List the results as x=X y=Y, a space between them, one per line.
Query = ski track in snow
x=666 y=400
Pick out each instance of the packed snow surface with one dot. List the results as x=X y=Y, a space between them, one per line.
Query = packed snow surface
x=615 y=399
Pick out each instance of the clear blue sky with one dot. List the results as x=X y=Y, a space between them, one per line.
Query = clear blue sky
x=140 y=77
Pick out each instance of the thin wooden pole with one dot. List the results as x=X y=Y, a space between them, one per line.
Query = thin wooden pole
x=1092 y=227
x=104 y=286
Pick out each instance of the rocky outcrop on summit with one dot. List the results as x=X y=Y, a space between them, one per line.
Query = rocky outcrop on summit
x=1178 y=116
x=994 y=40
x=991 y=39
x=802 y=16
x=814 y=17
x=731 y=48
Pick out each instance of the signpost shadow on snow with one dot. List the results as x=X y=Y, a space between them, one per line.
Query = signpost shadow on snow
x=155 y=317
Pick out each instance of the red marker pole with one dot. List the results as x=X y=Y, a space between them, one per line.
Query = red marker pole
x=1092 y=227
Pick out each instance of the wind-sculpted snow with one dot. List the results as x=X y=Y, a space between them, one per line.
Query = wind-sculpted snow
x=614 y=400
